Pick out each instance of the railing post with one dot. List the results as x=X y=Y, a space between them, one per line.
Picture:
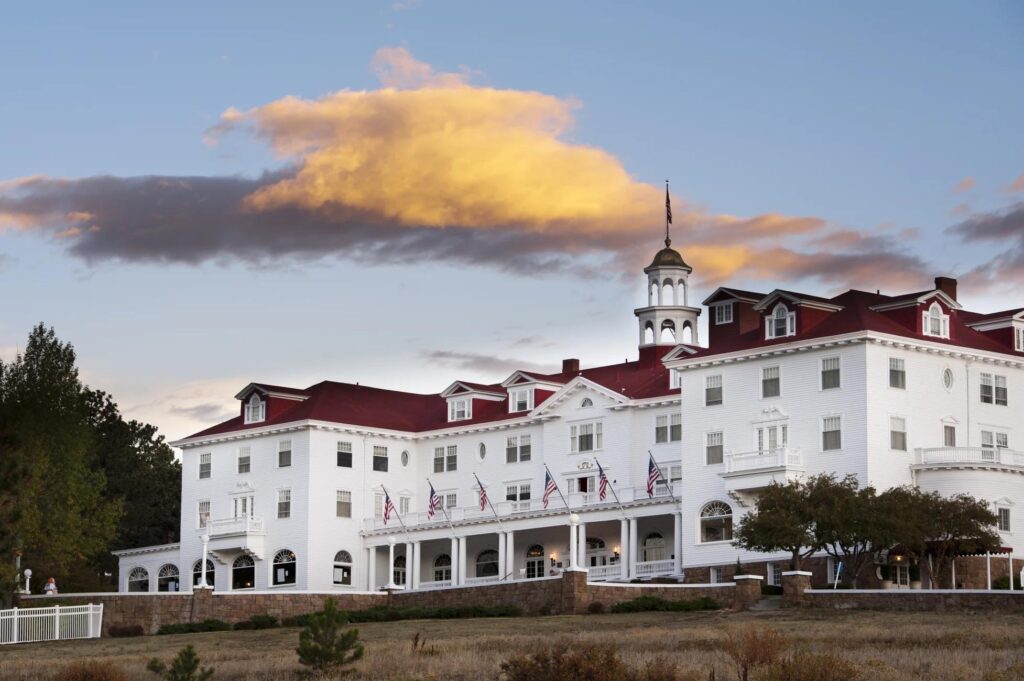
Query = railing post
x=14 y=633
x=56 y=623
x=88 y=622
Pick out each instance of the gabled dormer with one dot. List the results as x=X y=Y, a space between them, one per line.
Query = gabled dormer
x=526 y=391
x=465 y=398
x=785 y=313
x=732 y=313
x=1006 y=328
x=262 y=402
x=928 y=313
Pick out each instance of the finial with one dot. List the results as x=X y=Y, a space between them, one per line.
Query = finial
x=668 y=216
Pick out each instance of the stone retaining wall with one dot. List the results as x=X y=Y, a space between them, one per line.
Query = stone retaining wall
x=915 y=600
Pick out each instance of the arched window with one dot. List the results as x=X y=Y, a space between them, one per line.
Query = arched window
x=648 y=333
x=668 y=331
x=687 y=335
x=681 y=292
x=936 y=323
x=398 y=571
x=487 y=563
x=343 y=568
x=668 y=292
x=255 y=409
x=167 y=579
x=138 y=579
x=243 y=573
x=782 y=322
x=654 y=547
x=284 y=568
x=595 y=544
x=652 y=293
x=535 y=561
x=716 y=522
x=197 y=573
x=443 y=568
x=587 y=402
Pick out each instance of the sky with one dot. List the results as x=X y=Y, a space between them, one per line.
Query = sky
x=200 y=195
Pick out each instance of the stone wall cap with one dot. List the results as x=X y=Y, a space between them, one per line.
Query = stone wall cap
x=737 y=578
x=797 y=572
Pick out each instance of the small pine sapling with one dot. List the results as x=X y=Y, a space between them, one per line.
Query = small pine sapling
x=324 y=646
x=184 y=667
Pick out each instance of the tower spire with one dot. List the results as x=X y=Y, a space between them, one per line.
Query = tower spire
x=668 y=216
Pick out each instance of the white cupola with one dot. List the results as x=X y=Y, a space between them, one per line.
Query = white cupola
x=668 y=318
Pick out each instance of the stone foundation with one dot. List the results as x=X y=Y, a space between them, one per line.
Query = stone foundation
x=906 y=599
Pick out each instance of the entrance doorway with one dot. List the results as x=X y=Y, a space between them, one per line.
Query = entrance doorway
x=535 y=562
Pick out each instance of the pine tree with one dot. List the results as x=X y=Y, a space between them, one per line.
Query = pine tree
x=323 y=645
x=184 y=667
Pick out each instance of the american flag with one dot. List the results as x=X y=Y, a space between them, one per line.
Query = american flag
x=653 y=473
x=602 y=484
x=389 y=508
x=483 y=496
x=549 y=487
x=668 y=205
x=434 y=503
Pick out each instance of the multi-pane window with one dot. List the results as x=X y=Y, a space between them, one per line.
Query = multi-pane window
x=713 y=390
x=775 y=574
x=446 y=458
x=1018 y=338
x=715 y=448
x=1003 y=514
x=781 y=323
x=586 y=437
x=674 y=474
x=378 y=505
x=716 y=575
x=897 y=433
x=439 y=459
x=521 y=400
x=581 y=484
x=345 y=454
x=1001 y=397
x=935 y=322
x=284 y=454
x=202 y=513
x=343 y=504
x=770 y=386
x=380 y=458
x=830 y=373
x=205 y=465
x=668 y=428
x=517 y=491
x=403 y=505
x=993 y=389
x=771 y=438
x=723 y=313
x=897 y=373
x=517 y=448
x=255 y=410
x=991 y=441
x=244 y=460
x=243 y=506
x=949 y=436
x=460 y=409
x=284 y=503
x=675 y=379
x=831 y=433
x=451 y=499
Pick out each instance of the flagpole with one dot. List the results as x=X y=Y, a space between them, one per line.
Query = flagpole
x=548 y=471
x=668 y=483
x=668 y=216
x=488 y=498
x=444 y=511
x=611 y=487
x=397 y=514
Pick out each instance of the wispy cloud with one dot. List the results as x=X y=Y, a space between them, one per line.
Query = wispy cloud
x=964 y=185
x=489 y=366
x=1017 y=185
x=1006 y=270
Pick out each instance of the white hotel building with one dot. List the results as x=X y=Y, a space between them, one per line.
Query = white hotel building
x=906 y=389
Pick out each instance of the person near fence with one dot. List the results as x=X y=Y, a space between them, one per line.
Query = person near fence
x=51 y=587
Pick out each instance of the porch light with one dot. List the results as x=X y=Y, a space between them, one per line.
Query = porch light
x=616 y=551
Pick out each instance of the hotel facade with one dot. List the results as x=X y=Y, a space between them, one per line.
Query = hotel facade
x=897 y=389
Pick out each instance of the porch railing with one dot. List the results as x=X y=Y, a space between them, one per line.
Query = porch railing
x=439 y=584
x=654 y=568
x=490 y=579
x=779 y=457
x=230 y=526
x=600 y=573
x=29 y=625
x=969 y=455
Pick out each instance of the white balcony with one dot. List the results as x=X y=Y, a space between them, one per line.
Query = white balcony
x=747 y=472
x=603 y=573
x=997 y=458
x=655 y=568
x=230 y=536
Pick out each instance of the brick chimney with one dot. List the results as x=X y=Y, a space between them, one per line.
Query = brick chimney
x=947 y=285
x=572 y=366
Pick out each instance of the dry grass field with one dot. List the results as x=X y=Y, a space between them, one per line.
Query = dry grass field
x=884 y=646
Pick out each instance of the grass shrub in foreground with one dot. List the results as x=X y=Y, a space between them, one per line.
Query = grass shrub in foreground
x=585 y=662
x=656 y=604
x=91 y=670
x=385 y=614
x=257 y=622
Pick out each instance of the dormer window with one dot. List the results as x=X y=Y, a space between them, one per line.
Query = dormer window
x=781 y=323
x=936 y=323
x=255 y=410
x=723 y=313
x=1018 y=336
x=520 y=400
x=460 y=409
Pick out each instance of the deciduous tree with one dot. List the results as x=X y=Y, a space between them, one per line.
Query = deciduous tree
x=783 y=521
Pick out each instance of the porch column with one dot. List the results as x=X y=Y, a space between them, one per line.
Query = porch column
x=501 y=556
x=391 y=563
x=574 y=522
x=463 y=568
x=624 y=548
x=414 y=565
x=633 y=522
x=581 y=545
x=371 y=568
x=510 y=554
x=677 y=543
x=455 y=560
x=408 y=565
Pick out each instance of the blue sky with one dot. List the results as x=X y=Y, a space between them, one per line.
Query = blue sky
x=860 y=126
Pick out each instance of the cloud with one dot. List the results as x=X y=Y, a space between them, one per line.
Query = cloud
x=1017 y=185
x=427 y=168
x=495 y=367
x=1005 y=228
x=964 y=185
x=207 y=412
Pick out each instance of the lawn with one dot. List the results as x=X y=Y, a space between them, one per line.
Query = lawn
x=886 y=646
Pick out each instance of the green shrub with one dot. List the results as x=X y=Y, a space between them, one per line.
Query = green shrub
x=654 y=603
x=323 y=646
x=1003 y=583
x=596 y=608
x=257 y=622
x=811 y=667
x=125 y=631
x=194 y=627
x=91 y=670
x=184 y=667
x=297 y=620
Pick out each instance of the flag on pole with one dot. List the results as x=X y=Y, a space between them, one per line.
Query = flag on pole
x=483 y=495
x=549 y=487
x=434 y=503
x=602 y=483
x=653 y=473
x=389 y=507
x=668 y=205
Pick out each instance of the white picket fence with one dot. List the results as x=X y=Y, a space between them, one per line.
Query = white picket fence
x=28 y=625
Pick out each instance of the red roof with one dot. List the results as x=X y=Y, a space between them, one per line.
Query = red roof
x=361 y=405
